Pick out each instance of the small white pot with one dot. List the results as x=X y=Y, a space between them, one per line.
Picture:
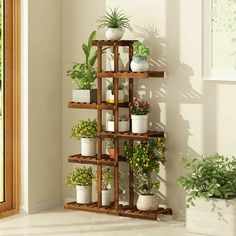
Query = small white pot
x=123 y=126
x=139 y=64
x=83 y=194
x=147 y=203
x=139 y=124
x=212 y=217
x=110 y=98
x=84 y=95
x=106 y=197
x=88 y=146
x=121 y=65
x=114 y=34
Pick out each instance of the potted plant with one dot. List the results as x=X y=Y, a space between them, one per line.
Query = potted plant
x=81 y=179
x=112 y=63
x=86 y=131
x=139 y=61
x=83 y=75
x=210 y=183
x=145 y=158
x=115 y=22
x=123 y=124
x=107 y=178
x=111 y=148
x=110 y=97
x=139 y=110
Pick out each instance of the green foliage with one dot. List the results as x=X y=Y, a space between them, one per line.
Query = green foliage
x=139 y=107
x=111 y=143
x=107 y=177
x=80 y=176
x=84 y=129
x=115 y=18
x=141 y=50
x=213 y=176
x=111 y=87
x=145 y=158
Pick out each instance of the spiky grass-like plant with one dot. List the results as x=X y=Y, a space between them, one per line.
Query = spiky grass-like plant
x=115 y=18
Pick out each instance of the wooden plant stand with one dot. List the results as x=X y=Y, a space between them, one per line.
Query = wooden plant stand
x=100 y=159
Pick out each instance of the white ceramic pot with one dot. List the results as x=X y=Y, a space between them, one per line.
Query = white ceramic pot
x=121 y=65
x=123 y=126
x=83 y=194
x=212 y=217
x=139 y=64
x=106 y=197
x=80 y=95
x=139 y=124
x=110 y=98
x=147 y=203
x=114 y=34
x=88 y=146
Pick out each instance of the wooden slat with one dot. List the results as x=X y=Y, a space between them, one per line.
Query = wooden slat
x=134 y=75
x=113 y=42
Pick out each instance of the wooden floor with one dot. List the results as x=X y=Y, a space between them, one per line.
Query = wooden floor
x=126 y=211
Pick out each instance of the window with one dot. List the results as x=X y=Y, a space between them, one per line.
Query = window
x=9 y=108
x=219 y=40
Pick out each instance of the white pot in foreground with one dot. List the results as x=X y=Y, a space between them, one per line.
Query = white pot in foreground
x=212 y=217
x=83 y=194
x=88 y=146
x=110 y=98
x=123 y=126
x=139 y=124
x=84 y=95
x=106 y=197
x=139 y=64
x=114 y=34
x=147 y=202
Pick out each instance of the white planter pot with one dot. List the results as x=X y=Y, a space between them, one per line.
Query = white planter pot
x=106 y=197
x=84 y=95
x=212 y=217
x=123 y=126
x=121 y=65
x=139 y=64
x=147 y=203
x=139 y=124
x=110 y=98
x=83 y=194
x=114 y=34
x=88 y=146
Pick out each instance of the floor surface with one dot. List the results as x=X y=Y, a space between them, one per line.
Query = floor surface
x=65 y=222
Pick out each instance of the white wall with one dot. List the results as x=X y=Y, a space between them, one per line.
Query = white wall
x=42 y=158
x=197 y=115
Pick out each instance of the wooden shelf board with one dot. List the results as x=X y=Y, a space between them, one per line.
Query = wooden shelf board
x=130 y=135
x=93 y=160
x=103 y=106
x=113 y=42
x=134 y=75
x=126 y=211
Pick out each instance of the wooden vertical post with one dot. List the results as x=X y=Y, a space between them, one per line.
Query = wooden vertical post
x=99 y=140
x=131 y=95
x=116 y=116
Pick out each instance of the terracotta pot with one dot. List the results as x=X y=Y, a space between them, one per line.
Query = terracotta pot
x=111 y=152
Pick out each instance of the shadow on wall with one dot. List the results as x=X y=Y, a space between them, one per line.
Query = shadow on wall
x=166 y=96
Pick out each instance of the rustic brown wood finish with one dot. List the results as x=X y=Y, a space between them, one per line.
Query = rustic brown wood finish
x=103 y=159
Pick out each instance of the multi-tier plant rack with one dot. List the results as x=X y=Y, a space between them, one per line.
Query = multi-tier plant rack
x=100 y=159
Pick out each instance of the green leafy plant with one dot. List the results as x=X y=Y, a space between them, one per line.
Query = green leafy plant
x=209 y=177
x=111 y=87
x=107 y=177
x=141 y=50
x=111 y=143
x=145 y=158
x=139 y=107
x=80 y=176
x=84 y=129
x=115 y=18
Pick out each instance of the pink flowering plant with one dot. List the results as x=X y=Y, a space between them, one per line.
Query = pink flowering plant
x=139 y=107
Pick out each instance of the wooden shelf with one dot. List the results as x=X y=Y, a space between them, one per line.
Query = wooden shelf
x=102 y=106
x=127 y=211
x=113 y=42
x=93 y=160
x=130 y=135
x=133 y=75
